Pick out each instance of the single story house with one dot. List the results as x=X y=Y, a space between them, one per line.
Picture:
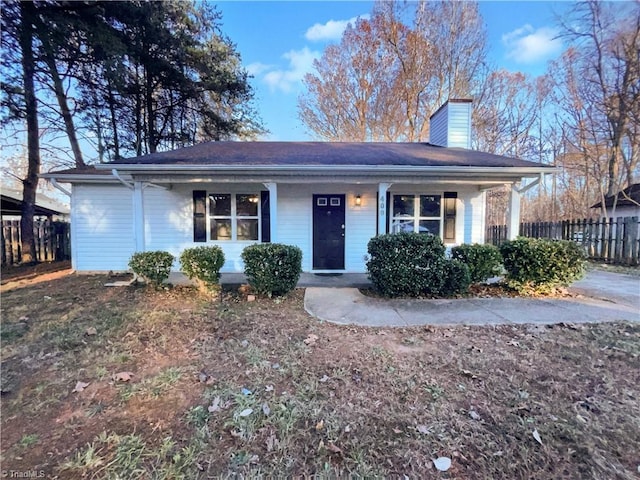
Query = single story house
x=626 y=203
x=329 y=199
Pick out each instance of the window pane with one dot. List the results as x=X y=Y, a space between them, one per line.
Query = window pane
x=430 y=226
x=220 y=229
x=246 y=205
x=429 y=205
x=400 y=225
x=248 y=229
x=220 y=204
x=403 y=205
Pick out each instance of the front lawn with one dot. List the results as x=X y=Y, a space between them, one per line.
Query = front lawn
x=170 y=384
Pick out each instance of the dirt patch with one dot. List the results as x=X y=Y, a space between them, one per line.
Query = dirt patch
x=25 y=272
x=220 y=386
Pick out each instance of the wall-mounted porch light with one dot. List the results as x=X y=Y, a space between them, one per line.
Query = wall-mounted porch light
x=358 y=200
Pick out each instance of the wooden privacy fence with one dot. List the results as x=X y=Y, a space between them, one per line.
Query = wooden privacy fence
x=52 y=241
x=613 y=240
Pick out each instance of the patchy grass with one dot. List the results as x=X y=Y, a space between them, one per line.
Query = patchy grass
x=229 y=388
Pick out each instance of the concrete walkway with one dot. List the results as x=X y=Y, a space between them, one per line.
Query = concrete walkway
x=600 y=297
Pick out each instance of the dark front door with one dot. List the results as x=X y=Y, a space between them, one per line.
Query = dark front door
x=328 y=232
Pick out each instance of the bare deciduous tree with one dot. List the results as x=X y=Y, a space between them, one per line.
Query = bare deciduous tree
x=601 y=82
x=388 y=75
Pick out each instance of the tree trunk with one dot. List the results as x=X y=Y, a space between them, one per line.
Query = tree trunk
x=62 y=102
x=114 y=123
x=151 y=130
x=27 y=15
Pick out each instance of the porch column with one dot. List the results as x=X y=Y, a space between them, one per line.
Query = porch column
x=138 y=216
x=513 y=215
x=382 y=207
x=273 y=209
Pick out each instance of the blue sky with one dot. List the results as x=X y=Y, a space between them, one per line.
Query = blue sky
x=278 y=42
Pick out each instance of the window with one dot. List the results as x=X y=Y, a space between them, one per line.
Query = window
x=416 y=213
x=234 y=216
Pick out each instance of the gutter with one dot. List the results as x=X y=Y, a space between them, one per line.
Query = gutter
x=325 y=169
x=78 y=177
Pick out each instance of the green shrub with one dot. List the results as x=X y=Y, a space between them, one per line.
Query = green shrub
x=484 y=261
x=203 y=264
x=153 y=267
x=541 y=265
x=412 y=264
x=457 y=278
x=272 y=268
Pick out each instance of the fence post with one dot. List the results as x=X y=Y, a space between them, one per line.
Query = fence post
x=611 y=248
x=635 y=245
x=4 y=250
x=17 y=242
x=627 y=242
x=619 y=238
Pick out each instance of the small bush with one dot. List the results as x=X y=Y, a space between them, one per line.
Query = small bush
x=272 y=268
x=203 y=264
x=484 y=261
x=153 y=267
x=541 y=265
x=457 y=278
x=412 y=264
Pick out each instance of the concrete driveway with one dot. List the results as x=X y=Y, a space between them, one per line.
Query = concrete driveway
x=610 y=287
x=600 y=297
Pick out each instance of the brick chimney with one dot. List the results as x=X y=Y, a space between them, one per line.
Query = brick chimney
x=450 y=125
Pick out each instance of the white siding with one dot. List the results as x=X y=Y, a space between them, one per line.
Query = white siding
x=450 y=126
x=102 y=223
x=102 y=227
x=624 y=211
x=438 y=127
x=295 y=213
x=169 y=221
x=459 y=134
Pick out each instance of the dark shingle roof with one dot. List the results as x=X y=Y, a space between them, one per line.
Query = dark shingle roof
x=630 y=196
x=12 y=203
x=324 y=153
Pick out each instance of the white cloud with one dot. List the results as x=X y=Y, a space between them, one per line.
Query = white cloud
x=332 y=30
x=529 y=45
x=300 y=63
x=257 y=68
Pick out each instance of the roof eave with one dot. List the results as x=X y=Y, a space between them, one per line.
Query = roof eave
x=324 y=169
x=377 y=172
x=79 y=177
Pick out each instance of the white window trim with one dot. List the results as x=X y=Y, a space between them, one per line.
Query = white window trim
x=233 y=217
x=416 y=209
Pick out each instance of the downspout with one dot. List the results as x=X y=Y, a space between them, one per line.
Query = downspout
x=55 y=184
x=115 y=173
x=529 y=186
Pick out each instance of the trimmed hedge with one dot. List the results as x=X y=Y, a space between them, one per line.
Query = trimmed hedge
x=539 y=265
x=457 y=278
x=413 y=264
x=203 y=264
x=484 y=261
x=272 y=268
x=153 y=267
